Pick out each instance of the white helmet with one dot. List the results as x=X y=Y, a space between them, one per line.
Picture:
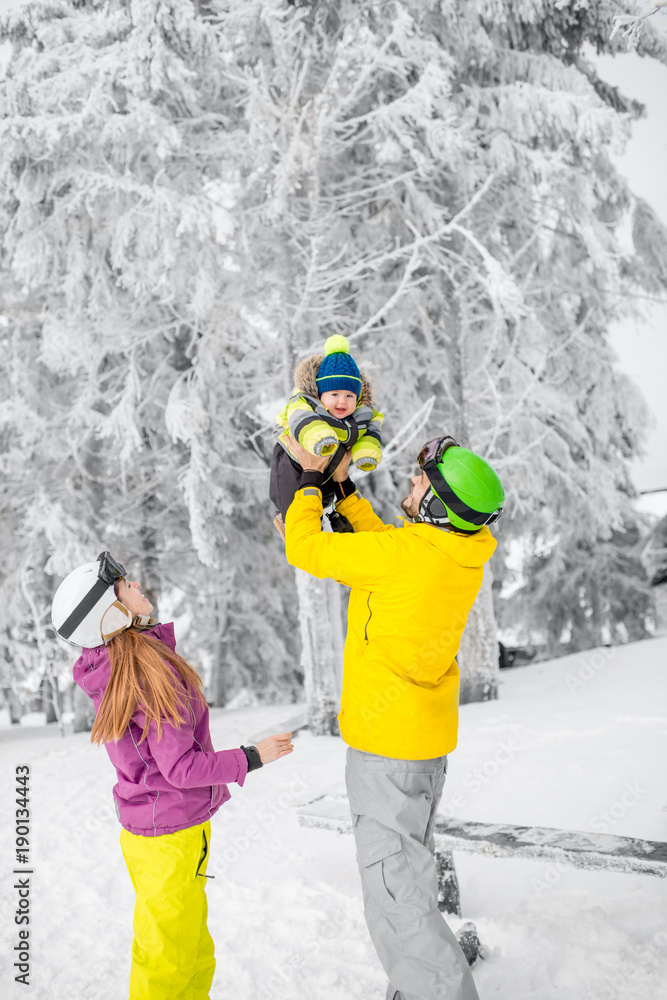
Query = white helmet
x=85 y=610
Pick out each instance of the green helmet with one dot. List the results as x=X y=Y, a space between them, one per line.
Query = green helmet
x=465 y=491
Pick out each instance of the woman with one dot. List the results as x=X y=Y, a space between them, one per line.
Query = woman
x=151 y=716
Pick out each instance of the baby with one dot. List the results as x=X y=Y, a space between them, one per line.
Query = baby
x=329 y=411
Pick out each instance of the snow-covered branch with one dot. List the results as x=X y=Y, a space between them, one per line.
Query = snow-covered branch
x=408 y=432
x=631 y=25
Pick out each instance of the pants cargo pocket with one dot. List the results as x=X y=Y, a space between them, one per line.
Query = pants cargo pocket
x=386 y=872
x=203 y=857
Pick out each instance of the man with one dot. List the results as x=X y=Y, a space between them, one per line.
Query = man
x=411 y=591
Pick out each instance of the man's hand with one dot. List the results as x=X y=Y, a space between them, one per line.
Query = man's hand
x=340 y=474
x=306 y=459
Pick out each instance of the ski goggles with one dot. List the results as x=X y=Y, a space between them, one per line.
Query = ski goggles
x=428 y=459
x=434 y=450
x=109 y=570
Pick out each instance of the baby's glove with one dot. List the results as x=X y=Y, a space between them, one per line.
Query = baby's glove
x=367 y=453
x=366 y=464
x=325 y=446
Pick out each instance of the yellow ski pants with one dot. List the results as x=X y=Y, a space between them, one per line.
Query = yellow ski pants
x=172 y=951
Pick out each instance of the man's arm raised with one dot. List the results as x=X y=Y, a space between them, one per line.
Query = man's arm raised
x=356 y=560
x=356 y=508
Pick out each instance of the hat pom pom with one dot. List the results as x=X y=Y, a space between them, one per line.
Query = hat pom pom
x=336 y=345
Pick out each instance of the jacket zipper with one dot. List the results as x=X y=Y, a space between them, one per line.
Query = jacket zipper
x=368 y=620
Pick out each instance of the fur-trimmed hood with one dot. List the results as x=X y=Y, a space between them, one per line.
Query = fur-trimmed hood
x=305 y=376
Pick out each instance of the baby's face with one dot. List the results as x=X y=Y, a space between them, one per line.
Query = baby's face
x=339 y=402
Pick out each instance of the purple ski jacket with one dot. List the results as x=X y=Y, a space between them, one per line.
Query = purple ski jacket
x=168 y=784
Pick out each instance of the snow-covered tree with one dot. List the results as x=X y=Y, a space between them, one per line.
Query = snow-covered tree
x=195 y=195
x=434 y=181
x=130 y=362
x=586 y=591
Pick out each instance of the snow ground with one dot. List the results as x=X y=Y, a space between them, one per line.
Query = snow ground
x=576 y=743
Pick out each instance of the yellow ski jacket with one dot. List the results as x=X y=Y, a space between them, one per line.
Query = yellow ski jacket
x=411 y=590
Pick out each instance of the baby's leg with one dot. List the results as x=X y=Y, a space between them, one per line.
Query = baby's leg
x=285 y=479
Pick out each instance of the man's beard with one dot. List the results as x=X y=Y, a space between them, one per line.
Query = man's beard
x=407 y=506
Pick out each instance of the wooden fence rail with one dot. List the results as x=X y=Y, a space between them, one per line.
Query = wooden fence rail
x=602 y=851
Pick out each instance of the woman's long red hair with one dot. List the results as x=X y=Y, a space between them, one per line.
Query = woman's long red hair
x=141 y=678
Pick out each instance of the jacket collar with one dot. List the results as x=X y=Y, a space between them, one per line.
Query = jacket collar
x=165 y=633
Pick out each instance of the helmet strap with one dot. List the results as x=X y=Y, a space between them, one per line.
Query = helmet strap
x=142 y=622
x=83 y=608
x=433 y=511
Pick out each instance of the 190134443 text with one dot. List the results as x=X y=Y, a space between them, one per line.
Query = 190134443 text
x=22 y=883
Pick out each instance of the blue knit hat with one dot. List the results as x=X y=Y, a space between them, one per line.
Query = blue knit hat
x=338 y=370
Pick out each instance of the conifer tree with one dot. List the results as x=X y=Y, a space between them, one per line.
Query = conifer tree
x=587 y=592
x=439 y=187
x=114 y=160
x=194 y=196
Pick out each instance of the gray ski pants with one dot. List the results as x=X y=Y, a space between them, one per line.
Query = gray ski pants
x=393 y=805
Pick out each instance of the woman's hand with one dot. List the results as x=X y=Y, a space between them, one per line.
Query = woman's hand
x=274 y=747
x=305 y=458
